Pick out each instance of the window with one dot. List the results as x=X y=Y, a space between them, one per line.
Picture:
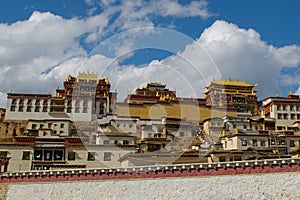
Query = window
x=91 y=156
x=33 y=126
x=48 y=155
x=58 y=154
x=272 y=142
x=26 y=155
x=222 y=159
x=244 y=142
x=84 y=110
x=292 y=143
x=262 y=143
x=130 y=125
x=107 y=156
x=125 y=142
x=3 y=153
x=38 y=155
x=254 y=141
x=71 y=155
x=105 y=141
x=181 y=134
x=62 y=125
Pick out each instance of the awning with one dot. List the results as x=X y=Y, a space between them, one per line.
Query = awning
x=50 y=145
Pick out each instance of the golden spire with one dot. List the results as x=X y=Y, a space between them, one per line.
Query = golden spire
x=277 y=94
x=291 y=93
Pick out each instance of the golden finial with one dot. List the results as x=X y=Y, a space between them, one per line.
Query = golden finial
x=229 y=78
x=277 y=94
x=291 y=93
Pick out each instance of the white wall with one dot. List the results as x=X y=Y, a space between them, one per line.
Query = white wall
x=255 y=186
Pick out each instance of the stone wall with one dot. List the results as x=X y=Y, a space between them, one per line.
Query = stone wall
x=255 y=186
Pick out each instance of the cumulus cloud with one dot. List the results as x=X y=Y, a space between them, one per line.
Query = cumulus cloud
x=223 y=50
x=126 y=15
x=44 y=43
x=46 y=48
x=242 y=54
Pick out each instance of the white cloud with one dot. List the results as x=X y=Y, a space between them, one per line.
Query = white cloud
x=126 y=15
x=238 y=53
x=242 y=54
x=30 y=47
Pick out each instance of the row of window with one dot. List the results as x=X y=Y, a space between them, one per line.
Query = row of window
x=124 y=125
x=272 y=142
x=287 y=107
x=56 y=155
x=124 y=142
x=49 y=125
x=285 y=116
x=83 y=109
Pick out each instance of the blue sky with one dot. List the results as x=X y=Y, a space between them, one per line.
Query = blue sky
x=235 y=34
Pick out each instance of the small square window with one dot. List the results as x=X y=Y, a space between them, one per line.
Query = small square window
x=107 y=156
x=38 y=155
x=26 y=155
x=292 y=143
x=91 y=156
x=244 y=142
x=254 y=141
x=105 y=141
x=3 y=153
x=71 y=155
x=181 y=134
x=125 y=142
x=58 y=154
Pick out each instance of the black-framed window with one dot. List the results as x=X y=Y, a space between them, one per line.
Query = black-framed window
x=48 y=155
x=38 y=155
x=58 y=154
x=26 y=155
x=244 y=142
x=91 y=156
x=125 y=142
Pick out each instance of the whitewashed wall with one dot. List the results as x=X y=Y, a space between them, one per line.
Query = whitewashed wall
x=260 y=186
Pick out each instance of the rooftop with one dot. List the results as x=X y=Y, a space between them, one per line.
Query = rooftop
x=233 y=83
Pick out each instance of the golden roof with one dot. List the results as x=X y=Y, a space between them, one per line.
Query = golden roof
x=87 y=76
x=154 y=84
x=233 y=83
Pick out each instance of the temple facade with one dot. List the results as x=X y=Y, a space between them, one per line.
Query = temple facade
x=83 y=98
x=232 y=94
x=152 y=93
